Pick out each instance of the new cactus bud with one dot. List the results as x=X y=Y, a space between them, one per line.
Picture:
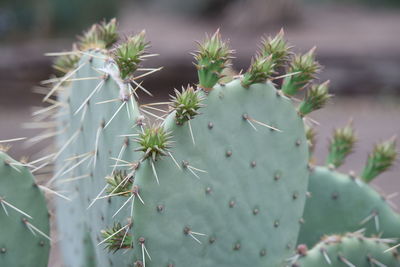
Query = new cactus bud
x=341 y=145
x=186 y=104
x=129 y=54
x=99 y=36
x=277 y=48
x=316 y=97
x=310 y=135
x=212 y=58
x=67 y=62
x=382 y=158
x=260 y=70
x=117 y=237
x=154 y=142
x=302 y=71
x=119 y=183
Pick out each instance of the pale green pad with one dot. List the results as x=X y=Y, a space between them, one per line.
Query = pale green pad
x=248 y=204
x=339 y=204
x=19 y=247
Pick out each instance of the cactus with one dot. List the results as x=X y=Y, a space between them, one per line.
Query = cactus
x=24 y=219
x=97 y=118
x=339 y=203
x=352 y=249
x=211 y=173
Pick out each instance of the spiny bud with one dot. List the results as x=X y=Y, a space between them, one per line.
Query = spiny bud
x=119 y=183
x=302 y=71
x=341 y=145
x=186 y=104
x=212 y=58
x=128 y=55
x=117 y=238
x=99 y=36
x=260 y=70
x=310 y=136
x=154 y=142
x=315 y=98
x=382 y=158
x=277 y=48
x=65 y=63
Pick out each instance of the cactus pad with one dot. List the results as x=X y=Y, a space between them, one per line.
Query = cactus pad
x=24 y=219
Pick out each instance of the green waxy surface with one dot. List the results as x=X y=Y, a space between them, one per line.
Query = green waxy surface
x=79 y=226
x=248 y=203
x=19 y=247
x=356 y=250
x=340 y=203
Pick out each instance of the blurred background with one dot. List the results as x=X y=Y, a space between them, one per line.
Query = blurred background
x=358 y=42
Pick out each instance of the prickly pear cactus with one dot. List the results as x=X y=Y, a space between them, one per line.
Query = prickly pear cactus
x=98 y=114
x=211 y=175
x=349 y=250
x=24 y=219
x=339 y=202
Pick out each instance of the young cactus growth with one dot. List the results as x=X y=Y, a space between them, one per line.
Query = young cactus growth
x=129 y=54
x=211 y=59
x=302 y=70
x=341 y=145
x=350 y=250
x=154 y=142
x=340 y=203
x=186 y=104
x=99 y=36
x=316 y=97
x=273 y=53
x=382 y=158
x=24 y=218
x=117 y=237
x=277 y=48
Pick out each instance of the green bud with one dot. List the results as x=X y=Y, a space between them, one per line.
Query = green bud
x=341 y=145
x=382 y=158
x=154 y=142
x=117 y=238
x=302 y=71
x=315 y=98
x=119 y=184
x=277 y=48
x=186 y=104
x=211 y=59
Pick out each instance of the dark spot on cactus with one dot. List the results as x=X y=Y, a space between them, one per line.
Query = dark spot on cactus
x=160 y=208
x=102 y=217
x=335 y=195
x=278 y=93
x=186 y=230
x=302 y=249
x=310 y=167
x=141 y=240
x=245 y=116
x=352 y=175
x=138 y=264
x=289 y=246
x=301 y=221
x=41 y=243
x=3 y=250
x=109 y=200
x=170 y=265
x=276 y=223
x=298 y=142
x=253 y=164
x=208 y=190
x=263 y=253
x=228 y=153
x=256 y=211
x=211 y=240
x=308 y=194
x=277 y=175
x=236 y=246
x=185 y=163
x=232 y=203
x=210 y=125
x=295 y=195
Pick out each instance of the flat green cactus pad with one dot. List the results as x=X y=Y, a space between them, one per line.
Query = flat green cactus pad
x=348 y=251
x=24 y=219
x=89 y=148
x=231 y=188
x=340 y=203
